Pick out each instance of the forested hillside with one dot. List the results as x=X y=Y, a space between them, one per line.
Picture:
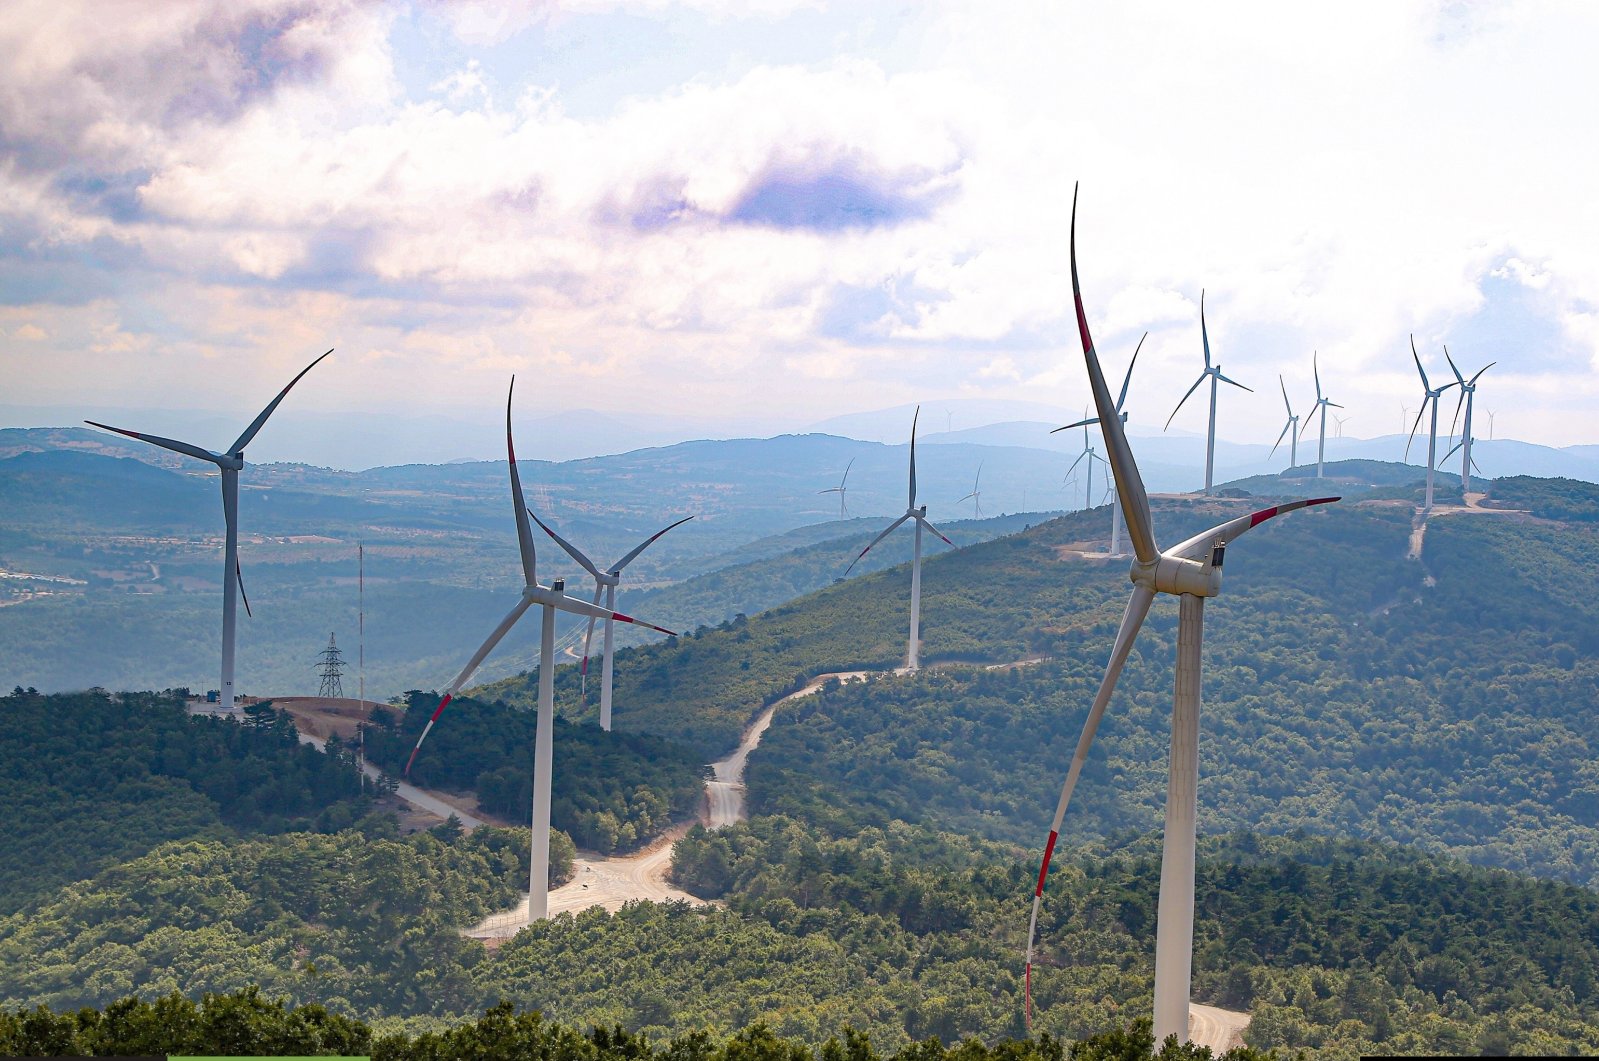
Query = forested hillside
x=610 y=791
x=90 y=779
x=1348 y=690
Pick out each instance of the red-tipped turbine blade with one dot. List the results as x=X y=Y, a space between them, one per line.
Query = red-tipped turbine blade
x=619 y=617
x=426 y=730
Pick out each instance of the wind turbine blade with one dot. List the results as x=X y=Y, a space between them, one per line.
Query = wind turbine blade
x=1129 y=484
x=936 y=532
x=1452 y=451
x=1458 y=377
x=249 y=432
x=1284 y=387
x=968 y=497
x=571 y=550
x=1480 y=371
x=238 y=573
x=1413 y=428
x=1286 y=428
x=588 y=641
x=1200 y=545
x=1306 y=426
x=1335 y=405
x=844 y=480
x=616 y=569
x=880 y=537
x=1235 y=383
x=524 y=532
x=1121 y=399
x=1424 y=384
x=1459 y=403
x=1081 y=423
x=914 y=418
x=165 y=443
x=1076 y=462
x=466 y=672
x=1179 y=408
x=1204 y=335
x=1133 y=618
x=1315 y=371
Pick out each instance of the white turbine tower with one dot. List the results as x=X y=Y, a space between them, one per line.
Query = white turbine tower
x=1288 y=429
x=1468 y=391
x=843 y=510
x=1191 y=571
x=913 y=651
x=1121 y=412
x=550 y=599
x=230 y=462
x=1432 y=394
x=976 y=496
x=605 y=582
x=1214 y=372
x=1322 y=404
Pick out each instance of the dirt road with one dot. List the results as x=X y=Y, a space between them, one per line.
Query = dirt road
x=725 y=791
x=1219 y=1029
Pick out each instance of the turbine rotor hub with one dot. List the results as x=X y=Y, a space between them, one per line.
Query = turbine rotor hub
x=1176 y=575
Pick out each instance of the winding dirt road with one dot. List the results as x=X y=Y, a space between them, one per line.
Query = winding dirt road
x=610 y=882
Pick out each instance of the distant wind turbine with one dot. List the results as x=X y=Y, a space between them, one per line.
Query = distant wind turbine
x=1090 y=456
x=1340 y=421
x=1322 y=404
x=1288 y=429
x=913 y=651
x=1432 y=394
x=843 y=510
x=976 y=496
x=230 y=462
x=1490 y=413
x=550 y=598
x=1191 y=571
x=1121 y=411
x=1214 y=372
x=605 y=582
x=1468 y=391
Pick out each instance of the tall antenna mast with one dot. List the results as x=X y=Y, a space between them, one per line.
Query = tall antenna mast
x=331 y=667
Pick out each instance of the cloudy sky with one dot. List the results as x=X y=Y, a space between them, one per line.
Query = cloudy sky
x=780 y=210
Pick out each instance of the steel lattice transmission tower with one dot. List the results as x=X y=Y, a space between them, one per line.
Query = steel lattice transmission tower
x=331 y=667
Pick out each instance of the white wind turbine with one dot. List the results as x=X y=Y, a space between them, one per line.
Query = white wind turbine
x=605 y=582
x=1214 y=372
x=1090 y=456
x=976 y=496
x=1121 y=412
x=1468 y=390
x=1288 y=429
x=230 y=462
x=913 y=650
x=843 y=510
x=1191 y=571
x=551 y=599
x=1432 y=394
x=1322 y=404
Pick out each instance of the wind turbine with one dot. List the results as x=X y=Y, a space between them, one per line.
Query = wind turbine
x=1490 y=425
x=1214 y=372
x=839 y=490
x=1288 y=429
x=1191 y=571
x=230 y=462
x=976 y=496
x=604 y=582
x=1322 y=403
x=1468 y=390
x=1121 y=411
x=1340 y=421
x=919 y=515
x=1089 y=455
x=1432 y=394
x=551 y=599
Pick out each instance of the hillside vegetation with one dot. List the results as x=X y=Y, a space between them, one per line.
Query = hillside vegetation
x=91 y=779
